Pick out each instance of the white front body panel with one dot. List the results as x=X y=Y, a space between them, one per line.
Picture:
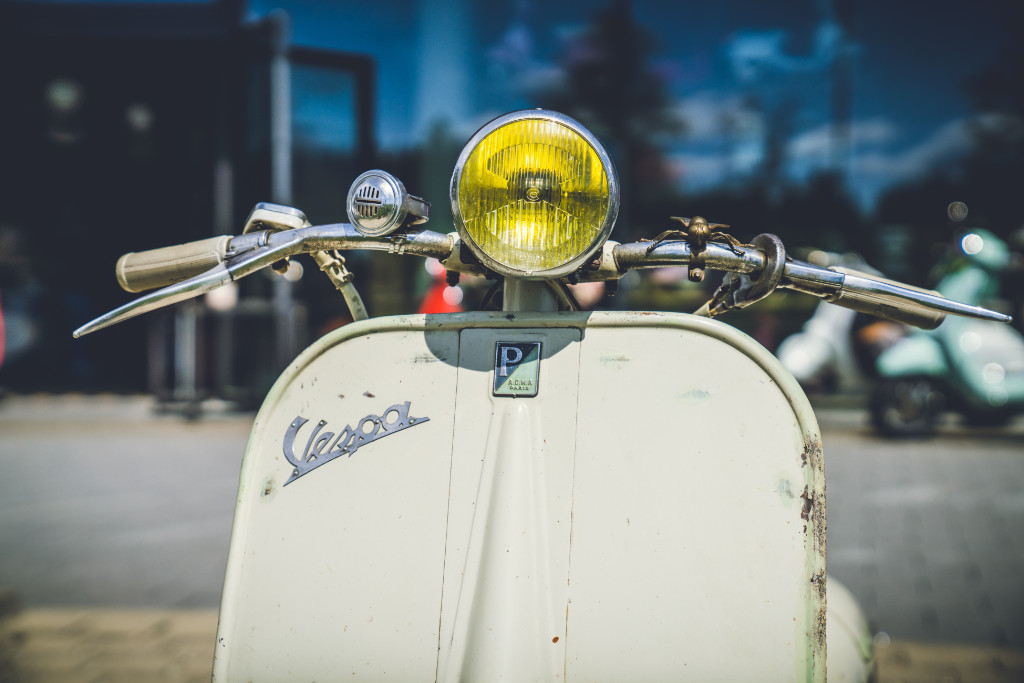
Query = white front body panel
x=655 y=512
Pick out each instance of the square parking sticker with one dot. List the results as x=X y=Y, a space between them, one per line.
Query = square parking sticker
x=516 y=368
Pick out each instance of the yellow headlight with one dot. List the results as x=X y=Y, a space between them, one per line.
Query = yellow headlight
x=534 y=195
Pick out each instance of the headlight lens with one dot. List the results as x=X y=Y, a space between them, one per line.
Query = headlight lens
x=534 y=195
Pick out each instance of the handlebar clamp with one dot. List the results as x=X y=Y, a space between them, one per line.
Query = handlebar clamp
x=739 y=290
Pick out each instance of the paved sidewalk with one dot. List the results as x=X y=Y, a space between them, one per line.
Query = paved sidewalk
x=107 y=646
x=176 y=646
x=906 y=662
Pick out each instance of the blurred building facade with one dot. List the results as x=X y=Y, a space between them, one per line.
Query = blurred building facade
x=134 y=126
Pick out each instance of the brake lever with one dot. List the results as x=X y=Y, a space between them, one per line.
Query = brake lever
x=739 y=290
x=856 y=291
x=255 y=250
x=234 y=268
x=880 y=297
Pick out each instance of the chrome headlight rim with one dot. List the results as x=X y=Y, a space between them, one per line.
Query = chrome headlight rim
x=608 y=223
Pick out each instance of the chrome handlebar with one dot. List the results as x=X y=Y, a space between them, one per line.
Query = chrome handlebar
x=843 y=287
x=253 y=251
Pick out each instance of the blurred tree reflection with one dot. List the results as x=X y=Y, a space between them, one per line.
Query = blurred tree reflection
x=987 y=178
x=611 y=87
x=993 y=171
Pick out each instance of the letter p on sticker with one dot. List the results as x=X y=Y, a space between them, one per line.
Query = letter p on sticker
x=510 y=355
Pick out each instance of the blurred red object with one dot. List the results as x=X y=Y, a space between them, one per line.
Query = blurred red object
x=441 y=298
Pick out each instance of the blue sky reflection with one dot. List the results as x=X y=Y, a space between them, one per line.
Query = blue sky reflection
x=738 y=72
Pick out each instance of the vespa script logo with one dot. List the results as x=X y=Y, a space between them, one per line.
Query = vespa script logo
x=323 y=447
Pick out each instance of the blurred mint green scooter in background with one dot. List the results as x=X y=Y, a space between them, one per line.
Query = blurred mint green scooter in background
x=970 y=366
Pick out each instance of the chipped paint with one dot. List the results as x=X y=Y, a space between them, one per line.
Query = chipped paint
x=805 y=513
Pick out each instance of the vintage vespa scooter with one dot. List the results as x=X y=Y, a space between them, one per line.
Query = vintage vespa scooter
x=535 y=494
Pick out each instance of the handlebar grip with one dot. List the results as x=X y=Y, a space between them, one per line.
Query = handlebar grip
x=139 y=271
x=866 y=293
x=890 y=309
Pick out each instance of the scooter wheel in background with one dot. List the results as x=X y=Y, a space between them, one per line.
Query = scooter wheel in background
x=907 y=407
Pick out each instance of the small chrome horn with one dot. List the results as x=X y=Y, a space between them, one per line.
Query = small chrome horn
x=378 y=204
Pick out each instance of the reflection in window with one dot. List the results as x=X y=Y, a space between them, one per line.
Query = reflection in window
x=324 y=139
x=64 y=97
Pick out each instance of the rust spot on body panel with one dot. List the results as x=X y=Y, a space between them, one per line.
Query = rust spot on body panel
x=808 y=498
x=818 y=586
x=427 y=358
x=813 y=514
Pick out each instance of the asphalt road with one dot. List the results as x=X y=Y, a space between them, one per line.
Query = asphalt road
x=929 y=535
x=103 y=504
